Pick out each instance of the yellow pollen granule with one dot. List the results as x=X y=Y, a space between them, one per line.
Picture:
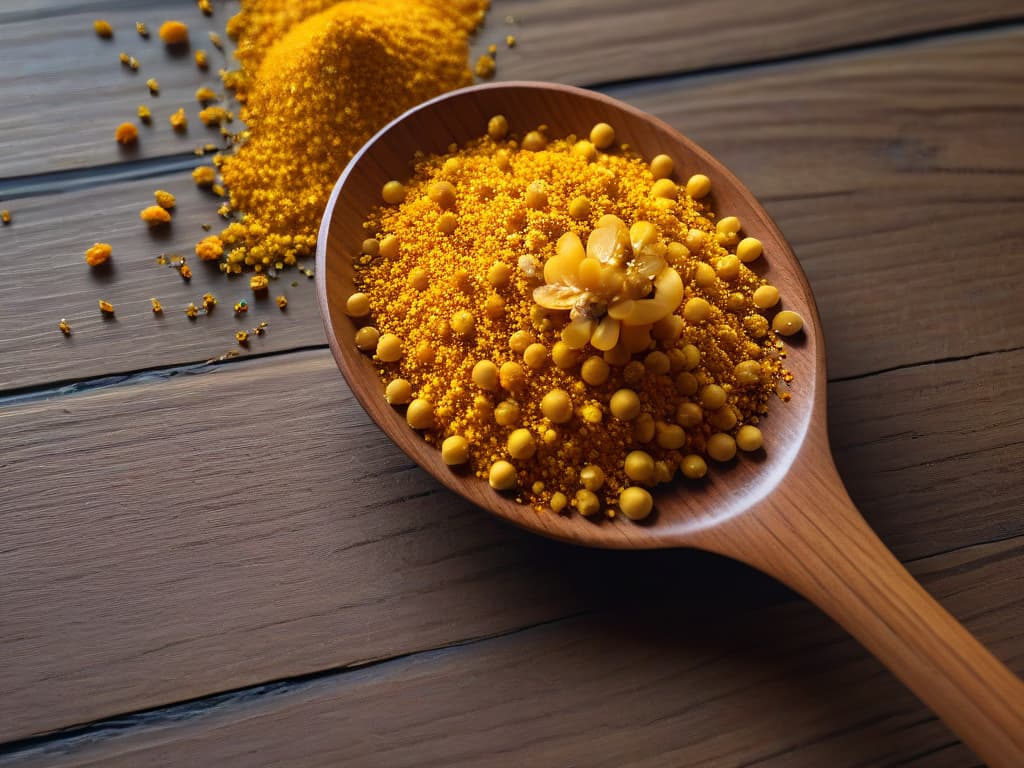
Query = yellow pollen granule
x=204 y=176
x=154 y=215
x=103 y=28
x=178 y=120
x=210 y=248
x=164 y=199
x=174 y=32
x=215 y=116
x=98 y=254
x=126 y=133
x=144 y=114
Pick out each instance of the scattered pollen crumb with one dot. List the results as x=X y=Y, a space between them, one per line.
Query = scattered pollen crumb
x=215 y=116
x=164 y=199
x=103 y=28
x=178 y=120
x=65 y=326
x=106 y=308
x=154 y=215
x=210 y=248
x=204 y=176
x=142 y=29
x=144 y=114
x=153 y=85
x=126 y=133
x=485 y=67
x=174 y=32
x=98 y=254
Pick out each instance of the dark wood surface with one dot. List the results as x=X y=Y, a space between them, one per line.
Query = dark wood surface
x=230 y=564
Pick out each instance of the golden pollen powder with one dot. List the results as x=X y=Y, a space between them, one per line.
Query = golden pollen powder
x=318 y=79
x=567 y=319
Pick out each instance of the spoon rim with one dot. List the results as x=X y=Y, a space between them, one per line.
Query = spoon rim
x=619 y=534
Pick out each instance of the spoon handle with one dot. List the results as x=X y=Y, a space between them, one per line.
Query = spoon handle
x=811 y=537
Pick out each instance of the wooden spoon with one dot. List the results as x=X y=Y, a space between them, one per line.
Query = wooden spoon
x=786 y=513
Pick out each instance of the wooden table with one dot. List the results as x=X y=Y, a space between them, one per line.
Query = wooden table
x=226 y=563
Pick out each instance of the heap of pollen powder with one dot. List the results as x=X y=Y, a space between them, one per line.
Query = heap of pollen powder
x=568 y=319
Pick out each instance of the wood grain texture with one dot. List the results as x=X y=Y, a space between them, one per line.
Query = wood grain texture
x=653 y=684
x=223 y=531
x=866 y=171
x=65 y=90
x=40 y=290
x=52 y=46
x=875 y=180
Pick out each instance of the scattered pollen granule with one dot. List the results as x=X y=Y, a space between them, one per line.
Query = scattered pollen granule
x=106 y=308
x=178 y=120
x=204 y=176
x=573 y=321
x=156 y=306
x=205 y=95
x=201 y=60
x=5 y=217
x=103 y=28
x=215 y=115
x=485 y=67
x=206 y=7
x=153 y=85
x=174 y=32
x=155 y=215
x=142 y=29
x=98 y=254
x=210 y=248
x=144 y=114
x=164 y=199
x=282 y=302
x=64 y=326
x=126 y=133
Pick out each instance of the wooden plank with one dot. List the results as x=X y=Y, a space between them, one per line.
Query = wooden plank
x=652 y=684
x=46 y=278
x=52 y=47
x=57 y=60
x=284 y=534
x=875 y=182
x=865 y=168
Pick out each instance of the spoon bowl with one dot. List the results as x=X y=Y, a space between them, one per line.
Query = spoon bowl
x=784 y=510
